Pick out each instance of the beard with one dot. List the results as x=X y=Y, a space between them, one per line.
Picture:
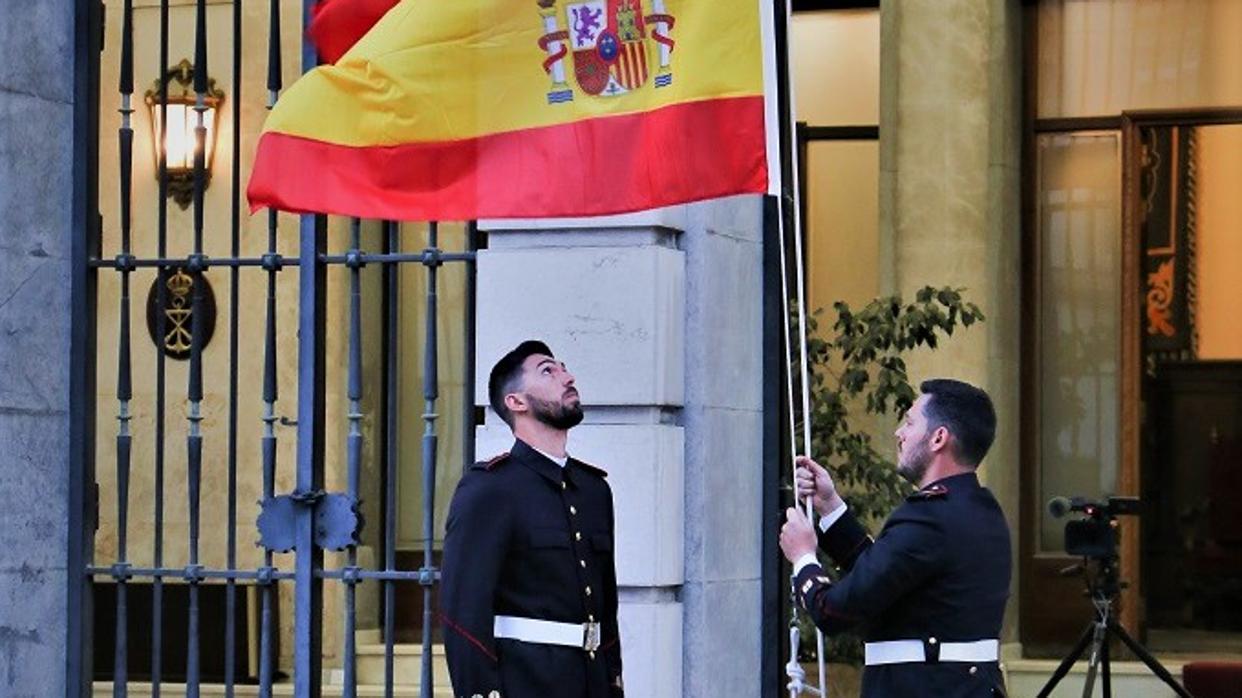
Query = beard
x=557 y=415
x=912 y=465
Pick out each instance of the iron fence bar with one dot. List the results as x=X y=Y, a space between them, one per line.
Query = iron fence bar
x=271 y=390
x=308 y=557
x=197 y=573
x=124 y=388
x=401 y=258
x=270 y=395
x=467 y=414
x=166 y=263
x=161 y=290
x=391 y=339
x=230 y=594
x=194 y=437
x=82 y=515
x=312 y=283
x=431 y=260
x=380 y=575
x=353 y=444
x=229 y=262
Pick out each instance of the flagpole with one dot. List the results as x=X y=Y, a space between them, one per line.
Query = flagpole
x=791 y=197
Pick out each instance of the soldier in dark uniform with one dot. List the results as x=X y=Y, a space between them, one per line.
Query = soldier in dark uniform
x=928 y=594
x=529 y=589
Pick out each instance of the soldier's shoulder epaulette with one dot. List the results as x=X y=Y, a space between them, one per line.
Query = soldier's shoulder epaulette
x=591 y=468
x=492 y=463
x=929 y=493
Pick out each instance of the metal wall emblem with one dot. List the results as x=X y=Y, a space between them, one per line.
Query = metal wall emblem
x=179 y=313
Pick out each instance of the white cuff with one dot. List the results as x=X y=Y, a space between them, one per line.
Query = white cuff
x=827 y=520
x=807 y=559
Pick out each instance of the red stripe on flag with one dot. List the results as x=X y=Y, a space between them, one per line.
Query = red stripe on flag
x=337 y=25
x=677 y=154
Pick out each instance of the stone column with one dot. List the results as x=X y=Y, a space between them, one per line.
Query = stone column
x=37 y=225
x=658 y=316
x=950 y=135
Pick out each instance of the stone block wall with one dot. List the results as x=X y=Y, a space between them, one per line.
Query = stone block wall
x=658 y=317
x=36 y=234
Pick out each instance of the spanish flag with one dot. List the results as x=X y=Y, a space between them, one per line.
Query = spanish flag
x=464 y=109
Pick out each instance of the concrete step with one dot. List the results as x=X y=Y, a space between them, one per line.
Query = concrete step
x=103 y=689
x=407 y=665
x=1025 y=677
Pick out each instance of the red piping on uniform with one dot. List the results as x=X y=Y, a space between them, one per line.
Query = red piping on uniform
x=462 y=631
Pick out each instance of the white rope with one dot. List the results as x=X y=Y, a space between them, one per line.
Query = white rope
x=796 y=681
x=802 y=356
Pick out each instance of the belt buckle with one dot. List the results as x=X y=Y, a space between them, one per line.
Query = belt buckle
x=590 y=636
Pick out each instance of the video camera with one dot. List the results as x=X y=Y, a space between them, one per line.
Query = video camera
x=1094 y=535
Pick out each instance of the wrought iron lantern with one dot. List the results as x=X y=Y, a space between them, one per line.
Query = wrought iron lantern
x=178 y=144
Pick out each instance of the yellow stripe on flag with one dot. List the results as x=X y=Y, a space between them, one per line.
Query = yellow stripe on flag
x=448 y=70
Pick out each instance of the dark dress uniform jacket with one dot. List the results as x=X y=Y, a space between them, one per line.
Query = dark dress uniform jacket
x=939 y=569
x=528 y=538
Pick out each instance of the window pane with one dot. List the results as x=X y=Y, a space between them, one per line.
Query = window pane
x=842 y=226
x=1219 y=211
x=1101 y=57
x=1079 y=257
x=835 y=59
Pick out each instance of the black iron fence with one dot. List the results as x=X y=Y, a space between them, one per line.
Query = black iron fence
x=293 y=528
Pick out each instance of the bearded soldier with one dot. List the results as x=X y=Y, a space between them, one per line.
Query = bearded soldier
x=529 y=590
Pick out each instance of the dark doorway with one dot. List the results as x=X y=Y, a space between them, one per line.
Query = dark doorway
x=1187 y=218
x=1192 y=541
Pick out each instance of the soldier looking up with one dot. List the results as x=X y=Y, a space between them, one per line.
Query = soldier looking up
x=529 y=587
x=928 y=594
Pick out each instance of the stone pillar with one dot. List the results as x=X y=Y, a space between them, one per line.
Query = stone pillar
x=658 y=316
x=950 y=135
x=37 y=225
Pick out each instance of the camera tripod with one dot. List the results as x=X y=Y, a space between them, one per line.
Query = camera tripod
x=1103 y=591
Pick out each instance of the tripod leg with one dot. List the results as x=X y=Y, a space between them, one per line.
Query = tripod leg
x=1064 y=667
x=1105 y=669
x=1099 y=641
x=1150 y=661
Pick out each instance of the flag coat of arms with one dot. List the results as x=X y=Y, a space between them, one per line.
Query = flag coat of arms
x=529 y=109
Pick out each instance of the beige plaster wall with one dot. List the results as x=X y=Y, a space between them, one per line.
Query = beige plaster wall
x=950 y=87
